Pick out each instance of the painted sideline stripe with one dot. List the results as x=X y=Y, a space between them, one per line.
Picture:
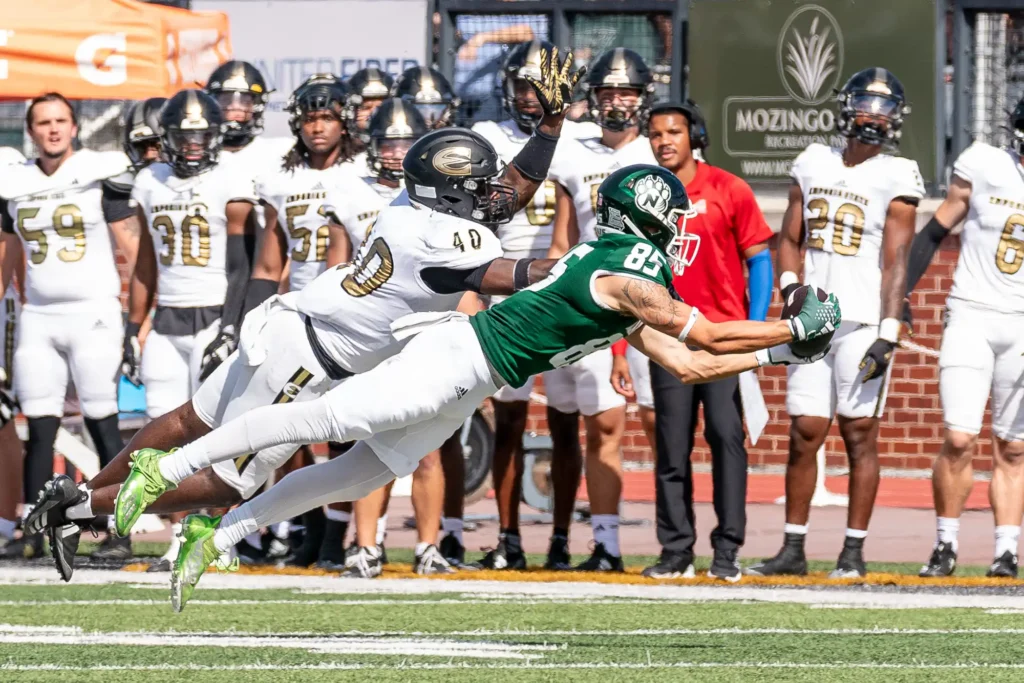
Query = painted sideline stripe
x=367 y=601
x=529 y=589
x=526 y=665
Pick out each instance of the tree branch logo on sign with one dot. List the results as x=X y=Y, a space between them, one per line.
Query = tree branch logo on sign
x=810 y=54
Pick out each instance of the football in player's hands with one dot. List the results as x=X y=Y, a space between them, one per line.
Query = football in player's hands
x=557 y=81
x=797 y=307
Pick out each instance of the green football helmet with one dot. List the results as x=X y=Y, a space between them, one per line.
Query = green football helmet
x=651 y=203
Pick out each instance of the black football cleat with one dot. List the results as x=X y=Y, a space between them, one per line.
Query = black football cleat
x=64 y=546
x=29 y=546
x=453 y=552
x=114 y=548
x=558 y=558
x=601 y=561
x=850 y=564
x=671 y=566
x=57 y=496
x=725 y=566
x=790 y=560
x=1004 y=566
x=941 y=563
x=505 y=556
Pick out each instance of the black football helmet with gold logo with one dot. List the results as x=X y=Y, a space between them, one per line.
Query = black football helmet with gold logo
x=394 y=128
x=619 y=68
x=193 y=132
x=141 y=129
x=454 y=171
x=872 y=106
x=431 y=93
x=242 y=93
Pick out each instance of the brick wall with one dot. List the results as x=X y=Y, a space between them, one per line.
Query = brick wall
x=911 y=430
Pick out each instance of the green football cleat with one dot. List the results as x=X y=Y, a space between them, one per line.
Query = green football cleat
x=142 y=487
x=197 y=552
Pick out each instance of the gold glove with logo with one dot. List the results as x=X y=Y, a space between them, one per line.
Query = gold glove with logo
x=557 y=81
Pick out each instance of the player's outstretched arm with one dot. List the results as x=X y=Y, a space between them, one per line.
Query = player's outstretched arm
x=507 y=276
x=653 y=305
x=696 y=366
x=554 y=90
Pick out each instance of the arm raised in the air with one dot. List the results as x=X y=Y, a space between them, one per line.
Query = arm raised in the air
x=653 y=305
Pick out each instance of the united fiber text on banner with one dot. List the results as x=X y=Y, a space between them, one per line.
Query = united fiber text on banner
x=290 y=40
x=765 y=75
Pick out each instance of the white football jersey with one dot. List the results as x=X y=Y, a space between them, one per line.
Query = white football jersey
x=581 y=165
x=9 y=155
x=844 y=214
x=528 y=234
x=988 y=273
x=357 y=206
x=188 y=223
x=298 y=197
x=62 y=225
x=259 y=158
x=353 y=305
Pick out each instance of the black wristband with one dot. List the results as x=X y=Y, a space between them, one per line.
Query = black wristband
x=131 y=329
x=922 y=250
x=534 y=159
x=521 y=274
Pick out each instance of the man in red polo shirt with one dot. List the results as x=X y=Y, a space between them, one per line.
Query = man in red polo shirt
x=732 y=232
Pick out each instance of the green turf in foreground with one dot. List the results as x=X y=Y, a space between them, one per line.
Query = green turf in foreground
x=654 y=640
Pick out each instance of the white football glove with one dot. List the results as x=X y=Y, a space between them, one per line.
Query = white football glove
x=783 y=355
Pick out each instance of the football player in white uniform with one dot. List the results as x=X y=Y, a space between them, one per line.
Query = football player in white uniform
x=68 y=219
x=620 y=89
x=367 y=90
x=982 y=350
x=11 y=452
x=854 y=209
x=527 y=235
x=419 y=257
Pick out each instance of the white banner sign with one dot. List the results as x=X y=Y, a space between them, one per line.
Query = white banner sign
x=290 y=40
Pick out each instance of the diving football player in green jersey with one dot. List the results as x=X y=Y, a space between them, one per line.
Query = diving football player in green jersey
x=617 y=286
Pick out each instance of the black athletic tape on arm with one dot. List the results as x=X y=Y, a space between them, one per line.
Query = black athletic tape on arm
x=258 y=291
x=451 y=281
x=922 y=250
x=116 y=203
x=238 y=271
x=534 y=158
x=521 y=274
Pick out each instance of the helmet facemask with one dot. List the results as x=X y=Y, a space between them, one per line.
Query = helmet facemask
x=190 y=152
x=619 y=116
x=874 y=118
x=517 y=92
x=385 y=157
x=494 y=201
x=243 y=115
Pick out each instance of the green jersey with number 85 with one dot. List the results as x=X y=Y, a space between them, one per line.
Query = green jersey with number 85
x=559 y=320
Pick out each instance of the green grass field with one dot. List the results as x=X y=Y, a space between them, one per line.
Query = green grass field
x=328 y=629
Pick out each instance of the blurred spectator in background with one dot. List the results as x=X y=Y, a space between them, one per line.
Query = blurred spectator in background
x=732 y=231
x=483 y=42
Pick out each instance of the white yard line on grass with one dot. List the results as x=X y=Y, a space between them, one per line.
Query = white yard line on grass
x=531 y=589
x=524 y=666
x=378 y=602
x=423 y=647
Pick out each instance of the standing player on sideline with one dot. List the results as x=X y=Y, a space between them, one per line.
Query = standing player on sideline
x=729 y=231
x=367 y=90
x=11 y=451
x=619 y=88
x=854 y=208
x=68 y=218
x=303 y=341
x=431 y=93
x=192 y=254
x=982 y=343
x=527 y=235
x=601 y=290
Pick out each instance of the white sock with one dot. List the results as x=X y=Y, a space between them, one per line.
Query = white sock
x=235 y=526
x=338 y=515
x=453 y=526
x=856 y=533
x=606 y=531
x=26 y=510
x=255 y=539
x=281 y=529
x=800 y=529
x=6 y=528
x=172 y=549
x=1007 y=537
x=382 y=529
x=946 y=530
x=182 y=464
x=111 y=523
x=421 y=548
x=84 y=509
